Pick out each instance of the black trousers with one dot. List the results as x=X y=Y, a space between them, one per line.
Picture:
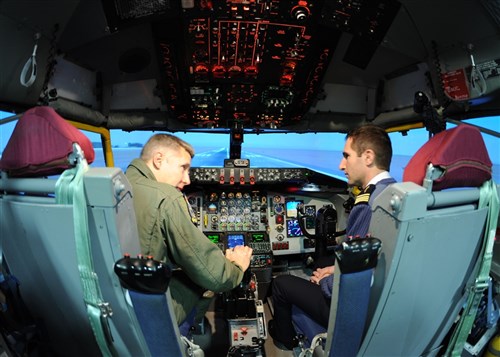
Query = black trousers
x=288 y=290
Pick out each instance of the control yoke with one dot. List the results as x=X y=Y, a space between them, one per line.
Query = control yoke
x=325 y=226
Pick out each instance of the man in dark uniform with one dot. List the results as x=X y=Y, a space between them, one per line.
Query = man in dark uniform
x=167 y=230
x=366 y=163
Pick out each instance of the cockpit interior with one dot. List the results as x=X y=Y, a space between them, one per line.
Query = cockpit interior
x=239 y=69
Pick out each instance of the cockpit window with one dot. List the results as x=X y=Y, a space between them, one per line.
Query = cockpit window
x=321 y=152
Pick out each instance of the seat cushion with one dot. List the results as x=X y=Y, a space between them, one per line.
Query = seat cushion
x=40 y=145
x=460 y=152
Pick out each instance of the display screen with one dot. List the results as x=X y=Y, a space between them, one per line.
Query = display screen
x=235 y=239
x=293 y=228
x=214 y=237
x=257 y=237
x=291 y=208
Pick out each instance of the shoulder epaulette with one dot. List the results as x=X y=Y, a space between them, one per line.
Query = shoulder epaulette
x=364 y=196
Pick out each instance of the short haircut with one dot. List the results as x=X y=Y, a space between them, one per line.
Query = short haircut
x=375 y=138
x=164 y=141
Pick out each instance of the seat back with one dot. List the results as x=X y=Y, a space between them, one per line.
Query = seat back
x=39 y=248
x=427 y=261
x=432 y=245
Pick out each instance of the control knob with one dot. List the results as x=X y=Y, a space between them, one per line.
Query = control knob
x=300 y=13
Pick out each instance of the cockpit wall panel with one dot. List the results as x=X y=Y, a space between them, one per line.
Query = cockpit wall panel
x=32 y=35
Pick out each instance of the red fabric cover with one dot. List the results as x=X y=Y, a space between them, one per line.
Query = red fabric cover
x=41 y=143
x=460 y=151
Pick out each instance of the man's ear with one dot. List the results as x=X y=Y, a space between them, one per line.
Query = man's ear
x=157 y=159
x=369 y=157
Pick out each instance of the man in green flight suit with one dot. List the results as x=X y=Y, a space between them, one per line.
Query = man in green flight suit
x=167 y=230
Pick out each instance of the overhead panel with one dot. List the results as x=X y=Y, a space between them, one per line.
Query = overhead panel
x=250 y=64
x=244 y=64
x=235 y=64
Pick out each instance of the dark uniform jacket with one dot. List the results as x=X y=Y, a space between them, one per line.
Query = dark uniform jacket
x=167 y=232
x=358 y=222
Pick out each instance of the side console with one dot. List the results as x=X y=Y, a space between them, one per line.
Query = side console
x=245 y=314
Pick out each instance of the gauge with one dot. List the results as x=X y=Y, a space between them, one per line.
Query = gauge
x=310 y=210
x=212 y=208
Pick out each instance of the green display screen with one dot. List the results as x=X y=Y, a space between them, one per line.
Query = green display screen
x=214 y=237
x=257 y=237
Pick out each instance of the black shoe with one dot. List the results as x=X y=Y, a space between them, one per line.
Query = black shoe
x=286 y=346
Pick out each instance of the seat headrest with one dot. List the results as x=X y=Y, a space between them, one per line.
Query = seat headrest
x=460 y=152
x=40 y=145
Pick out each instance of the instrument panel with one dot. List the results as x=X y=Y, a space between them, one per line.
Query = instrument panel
x=267 y=221
x=278 y=212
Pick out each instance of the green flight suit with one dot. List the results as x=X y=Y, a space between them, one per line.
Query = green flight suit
x=167 y=232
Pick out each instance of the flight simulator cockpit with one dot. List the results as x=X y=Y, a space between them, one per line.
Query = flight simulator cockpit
x=240 y=68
